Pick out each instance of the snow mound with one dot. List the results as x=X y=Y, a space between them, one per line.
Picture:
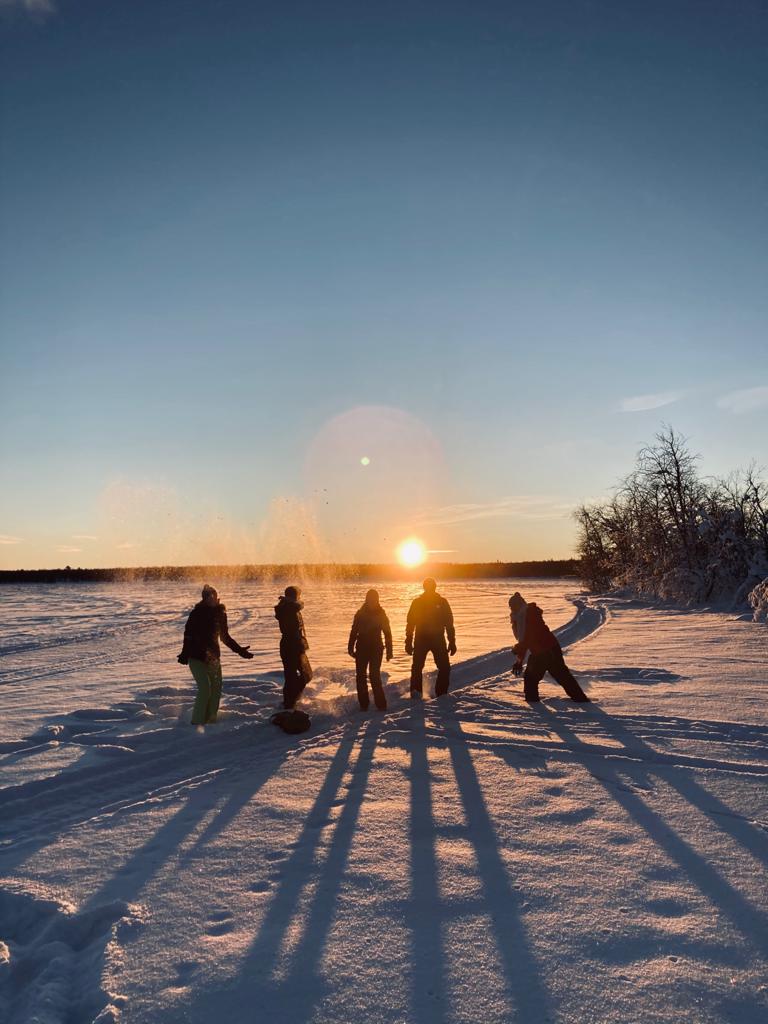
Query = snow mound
x=758 y=599
x=53 y=956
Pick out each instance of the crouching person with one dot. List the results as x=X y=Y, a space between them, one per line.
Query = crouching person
x=534 y=636
x=297 y=671
x=206 y=625
x=366 y=647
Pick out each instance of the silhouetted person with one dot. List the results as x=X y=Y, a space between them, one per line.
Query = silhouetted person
x=366 y=647
x=430 y=619
x=533 y=634
x=206 y=625
x=293 y=646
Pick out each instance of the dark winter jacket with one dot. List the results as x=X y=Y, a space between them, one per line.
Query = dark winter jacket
x=538 y=637
x=288 y=614
x=367 y=627
x=429 y=617
x=205 y=626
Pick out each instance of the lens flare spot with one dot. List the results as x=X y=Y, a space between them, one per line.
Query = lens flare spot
x=365 y=461
x=411 y=552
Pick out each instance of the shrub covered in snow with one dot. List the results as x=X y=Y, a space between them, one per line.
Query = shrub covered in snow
x=669 y=533
x=758 y=599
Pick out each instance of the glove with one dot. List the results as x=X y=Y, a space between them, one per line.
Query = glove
x=389 y=655
x=517 y=668
x=183 y=659
x=244 y=652
x=452 y=648
x=350 y=652
x=409 y=646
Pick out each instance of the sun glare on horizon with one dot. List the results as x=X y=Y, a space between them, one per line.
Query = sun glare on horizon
x=411 y=553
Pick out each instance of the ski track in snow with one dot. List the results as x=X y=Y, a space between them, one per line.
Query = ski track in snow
x=53 y=801
x=138 y=756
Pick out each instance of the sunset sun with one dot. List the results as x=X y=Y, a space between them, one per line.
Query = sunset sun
x=411 y=553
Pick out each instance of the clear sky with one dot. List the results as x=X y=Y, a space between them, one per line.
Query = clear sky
x=489 y=247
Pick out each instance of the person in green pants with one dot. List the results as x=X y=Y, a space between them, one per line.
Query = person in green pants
x=206 y=625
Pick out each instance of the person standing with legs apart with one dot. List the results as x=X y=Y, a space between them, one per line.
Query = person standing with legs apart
x=293 y=646
x=429 y=621
x=206 y=625
x=533 y=634
x=366 y=647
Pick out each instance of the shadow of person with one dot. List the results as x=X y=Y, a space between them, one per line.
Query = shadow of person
x=526 y=995
x=424 y=911
x=749 y=920
x=742 y=831
x=268 y=975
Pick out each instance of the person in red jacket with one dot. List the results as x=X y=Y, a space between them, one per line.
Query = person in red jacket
x=534 y=636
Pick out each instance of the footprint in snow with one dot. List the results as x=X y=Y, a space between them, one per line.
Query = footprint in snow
x=574 y=817
x=219 y=923
x=667 y=907
x=185 y=969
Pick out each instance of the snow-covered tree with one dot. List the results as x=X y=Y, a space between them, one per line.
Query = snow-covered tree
x=669 y=533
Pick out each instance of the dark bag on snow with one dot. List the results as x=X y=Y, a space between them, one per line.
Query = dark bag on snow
x=292 y=721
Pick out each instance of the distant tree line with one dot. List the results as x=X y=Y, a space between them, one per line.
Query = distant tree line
x=667 y=532
x=551 y=568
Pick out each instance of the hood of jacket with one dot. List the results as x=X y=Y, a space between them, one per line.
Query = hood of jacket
x=285 y=606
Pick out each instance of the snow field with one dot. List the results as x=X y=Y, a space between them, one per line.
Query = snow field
x=471 y=859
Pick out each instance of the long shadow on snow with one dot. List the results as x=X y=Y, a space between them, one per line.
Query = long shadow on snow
x=524 y=988
x=144 y=862
x=751 y=922
x=426 y=913
x=301 y=985
x=740 y=830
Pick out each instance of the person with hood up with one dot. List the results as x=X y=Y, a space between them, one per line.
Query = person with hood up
x=206 y=625
x=293 y=646
x=533 y=634
x=366 y=647
x=429 y=620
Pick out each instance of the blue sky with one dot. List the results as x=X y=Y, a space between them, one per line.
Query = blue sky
x=242 y=244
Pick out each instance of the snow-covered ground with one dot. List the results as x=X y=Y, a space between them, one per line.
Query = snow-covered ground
x=469 y=859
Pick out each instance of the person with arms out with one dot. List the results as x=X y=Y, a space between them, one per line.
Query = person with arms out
x=206 y=625
x=293 y=646
x=366 y=647
x=533 y=634
x=429 y=621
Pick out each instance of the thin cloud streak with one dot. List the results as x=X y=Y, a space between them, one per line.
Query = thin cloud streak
x=6 y=539
x=644 y=403
x=83 y=536
x=521 y=507
x=747 y=400
x=38 y=8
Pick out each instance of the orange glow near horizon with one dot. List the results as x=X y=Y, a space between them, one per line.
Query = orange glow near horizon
x=411 y=553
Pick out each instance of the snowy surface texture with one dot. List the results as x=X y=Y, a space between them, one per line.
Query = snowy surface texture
x=468 y=859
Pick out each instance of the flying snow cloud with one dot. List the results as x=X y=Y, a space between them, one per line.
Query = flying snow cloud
x=747 y=400
x=643 y=403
